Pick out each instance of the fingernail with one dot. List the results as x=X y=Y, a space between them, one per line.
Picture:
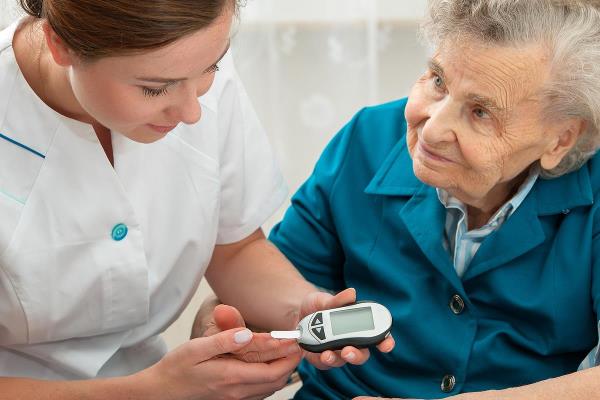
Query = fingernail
x=350 y=356
x=242 y=336
x=330 y=358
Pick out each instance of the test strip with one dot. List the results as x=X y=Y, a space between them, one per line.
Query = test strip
x=285 y=334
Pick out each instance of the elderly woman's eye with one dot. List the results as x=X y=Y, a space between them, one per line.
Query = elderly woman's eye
x=480 y=113
x=437 y=81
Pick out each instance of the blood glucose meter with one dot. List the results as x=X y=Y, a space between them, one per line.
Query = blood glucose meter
x=361 y=324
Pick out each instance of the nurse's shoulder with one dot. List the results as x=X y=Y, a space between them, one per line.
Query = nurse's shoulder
x=27 y=126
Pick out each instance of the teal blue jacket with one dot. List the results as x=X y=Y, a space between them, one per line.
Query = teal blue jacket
x=531 y=294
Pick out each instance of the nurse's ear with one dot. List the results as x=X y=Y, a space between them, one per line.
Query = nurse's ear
x=61 y=54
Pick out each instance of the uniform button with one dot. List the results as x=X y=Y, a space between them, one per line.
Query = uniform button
x=448 y=383
x=566 y=211
x=457 y=304
x=119 y=232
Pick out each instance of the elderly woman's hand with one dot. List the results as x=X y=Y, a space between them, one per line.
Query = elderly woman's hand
x=322 y=301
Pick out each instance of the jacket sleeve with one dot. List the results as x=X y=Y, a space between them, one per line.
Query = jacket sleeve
x=308 y=234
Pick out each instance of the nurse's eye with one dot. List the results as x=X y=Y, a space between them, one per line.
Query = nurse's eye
x=153 y=92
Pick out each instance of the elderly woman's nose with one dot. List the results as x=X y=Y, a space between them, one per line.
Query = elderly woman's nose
x=439 y=126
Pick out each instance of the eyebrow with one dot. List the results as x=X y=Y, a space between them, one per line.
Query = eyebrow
x=175 y=80
x=485 y=101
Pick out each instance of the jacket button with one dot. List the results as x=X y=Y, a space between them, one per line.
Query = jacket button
x=448 y=383
x=457 y=304
x=119 y=232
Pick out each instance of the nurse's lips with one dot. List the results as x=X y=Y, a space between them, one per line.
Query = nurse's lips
x=162 y=129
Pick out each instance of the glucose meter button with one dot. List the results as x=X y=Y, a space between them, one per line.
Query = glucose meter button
x=319 y=332
x=317 y=320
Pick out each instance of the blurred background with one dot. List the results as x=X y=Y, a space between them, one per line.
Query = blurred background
x=308 y=67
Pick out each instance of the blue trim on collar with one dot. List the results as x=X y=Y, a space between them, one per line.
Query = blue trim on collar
x=21 y=145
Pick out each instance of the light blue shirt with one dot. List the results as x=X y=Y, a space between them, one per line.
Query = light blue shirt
x=462 y=243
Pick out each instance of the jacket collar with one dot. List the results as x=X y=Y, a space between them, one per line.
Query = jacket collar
x=565 y=192
x=395 y=177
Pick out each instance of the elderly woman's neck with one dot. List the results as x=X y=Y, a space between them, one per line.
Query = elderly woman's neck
x=480 y=211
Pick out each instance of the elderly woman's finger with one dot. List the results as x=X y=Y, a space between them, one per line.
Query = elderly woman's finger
x=354 y=356
x=317 y=301
x=315 y=360
x=387 y=345
x=332 y=359
x=343 y=298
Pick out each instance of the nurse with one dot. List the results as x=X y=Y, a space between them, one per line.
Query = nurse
x=131 y=163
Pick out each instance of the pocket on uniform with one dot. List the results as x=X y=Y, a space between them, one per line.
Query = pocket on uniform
x=80 y=290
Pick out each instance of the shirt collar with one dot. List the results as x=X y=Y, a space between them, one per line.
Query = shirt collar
x=507 y=208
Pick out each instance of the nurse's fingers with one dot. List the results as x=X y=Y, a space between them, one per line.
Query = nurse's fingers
x=264 y=348
x=261 y=390
x=205 y=348
x=387 y=345
x=260 y=373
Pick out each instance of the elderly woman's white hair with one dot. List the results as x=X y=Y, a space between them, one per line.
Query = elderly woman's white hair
x=570 y=30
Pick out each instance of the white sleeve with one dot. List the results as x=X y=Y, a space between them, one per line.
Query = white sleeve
x=252 y=186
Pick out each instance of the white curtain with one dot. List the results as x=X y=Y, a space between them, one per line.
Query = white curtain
x=309 y=65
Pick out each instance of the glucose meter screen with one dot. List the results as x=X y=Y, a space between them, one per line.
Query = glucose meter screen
x=355 y=320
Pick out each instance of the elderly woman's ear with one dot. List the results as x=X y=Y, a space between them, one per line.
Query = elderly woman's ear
x=566 y=134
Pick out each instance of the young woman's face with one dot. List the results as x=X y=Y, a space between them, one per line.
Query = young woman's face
x=145 y=96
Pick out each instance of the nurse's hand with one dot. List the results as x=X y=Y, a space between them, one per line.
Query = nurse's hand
x=214 y=317
x=322 y=301
x=201 y=369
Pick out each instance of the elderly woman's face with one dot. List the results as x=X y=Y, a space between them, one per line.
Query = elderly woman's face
x=474 y=119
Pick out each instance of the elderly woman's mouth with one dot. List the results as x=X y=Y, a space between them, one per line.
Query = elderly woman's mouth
x=430 y=154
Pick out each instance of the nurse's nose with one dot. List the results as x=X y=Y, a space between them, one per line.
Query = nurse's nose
x=188 y=109
x=441 y=124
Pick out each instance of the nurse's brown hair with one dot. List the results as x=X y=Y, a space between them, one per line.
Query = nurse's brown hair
x=101 y=28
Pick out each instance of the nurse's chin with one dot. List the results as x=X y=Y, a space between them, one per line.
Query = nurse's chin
x=144 y=136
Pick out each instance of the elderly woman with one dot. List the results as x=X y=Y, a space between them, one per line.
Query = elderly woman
x=470 y=209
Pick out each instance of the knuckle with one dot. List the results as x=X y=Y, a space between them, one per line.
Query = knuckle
x=219 y=344
x=251 y=357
